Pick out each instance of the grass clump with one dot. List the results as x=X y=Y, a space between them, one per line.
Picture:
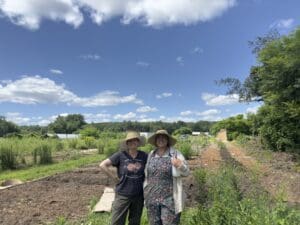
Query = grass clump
x=8 y=157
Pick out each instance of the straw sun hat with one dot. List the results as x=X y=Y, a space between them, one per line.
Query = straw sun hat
x=132 y=135
x=152 y=138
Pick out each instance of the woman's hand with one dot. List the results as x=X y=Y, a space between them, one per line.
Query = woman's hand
x=176 y=162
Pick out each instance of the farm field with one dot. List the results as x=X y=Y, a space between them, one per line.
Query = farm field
x=67 y=198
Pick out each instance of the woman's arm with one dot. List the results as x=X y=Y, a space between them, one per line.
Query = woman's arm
x=181 y=164
x=105 y=165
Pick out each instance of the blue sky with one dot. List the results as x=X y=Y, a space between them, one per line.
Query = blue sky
x=140 y=60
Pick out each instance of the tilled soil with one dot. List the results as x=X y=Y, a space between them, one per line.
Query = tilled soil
x=65 y=195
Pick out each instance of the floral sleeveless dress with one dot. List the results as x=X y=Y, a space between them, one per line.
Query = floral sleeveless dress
x=158 y=192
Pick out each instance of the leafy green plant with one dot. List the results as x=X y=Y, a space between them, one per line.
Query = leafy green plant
x=90 y=142
x=201 y=179
x=111 y=146
x=185 y=148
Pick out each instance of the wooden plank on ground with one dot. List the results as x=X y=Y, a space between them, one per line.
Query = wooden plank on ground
x=106 y=200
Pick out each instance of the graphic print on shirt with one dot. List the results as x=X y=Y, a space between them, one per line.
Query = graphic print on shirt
x=134 y=168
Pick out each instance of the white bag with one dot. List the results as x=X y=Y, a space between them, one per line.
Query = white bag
x=175 y=171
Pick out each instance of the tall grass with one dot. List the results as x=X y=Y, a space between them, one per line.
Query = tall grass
x=226 y=205
x=8 y=157
x=42 y=154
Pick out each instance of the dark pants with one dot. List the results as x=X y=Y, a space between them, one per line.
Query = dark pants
x=122 y=205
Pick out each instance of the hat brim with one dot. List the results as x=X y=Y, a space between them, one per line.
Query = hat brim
x=142 y=142
x=152 y=138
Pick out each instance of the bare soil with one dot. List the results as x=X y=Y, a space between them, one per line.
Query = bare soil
x=65 y=195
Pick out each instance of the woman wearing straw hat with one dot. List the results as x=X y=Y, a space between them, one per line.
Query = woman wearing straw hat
x=130 y=164
x=163 y=184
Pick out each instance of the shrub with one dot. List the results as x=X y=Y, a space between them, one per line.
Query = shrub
x=72 y=143
x=59 y=146
x=42 y=154
x=81 y=144
x=147 y=148
x=90 y=131
x=89 y=142
x=200 y=178
x=100 y=147
x=242 y=139
x=8 y=157
x=185 y=148
x=111 y=147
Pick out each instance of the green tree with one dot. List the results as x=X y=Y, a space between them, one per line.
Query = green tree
x=276 y=81
x=67 y=124
x=183 y=130
x=234 y=126
x=7 y=127
x=90 y=131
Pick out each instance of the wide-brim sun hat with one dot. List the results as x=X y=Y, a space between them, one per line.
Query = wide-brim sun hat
x=152 y=138
x=133 y=135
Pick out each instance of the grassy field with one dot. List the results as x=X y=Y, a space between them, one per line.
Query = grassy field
x=37 y=172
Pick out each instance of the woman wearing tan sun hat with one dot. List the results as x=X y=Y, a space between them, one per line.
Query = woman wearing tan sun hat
x=163 y=184
x=130 y=163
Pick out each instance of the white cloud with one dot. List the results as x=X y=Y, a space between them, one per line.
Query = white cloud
x=197 y=50
x=164 y=95
x=143 y=64
x=30 y=13
x=35 y=90
x=180 y=60
x=91 y=57
x=96 y=118
x=283 y=24
x=19 y=119
x=253 y=109
x=169 y=12
x=127 y=116
x=144 y=109
x=216 y=100
x=209 y=112
x=186 y=113
x=56 y=71
x=210 y=115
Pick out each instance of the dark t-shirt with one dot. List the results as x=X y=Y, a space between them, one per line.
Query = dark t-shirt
x=130 y=172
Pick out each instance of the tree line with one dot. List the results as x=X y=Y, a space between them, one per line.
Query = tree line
x=73 y=123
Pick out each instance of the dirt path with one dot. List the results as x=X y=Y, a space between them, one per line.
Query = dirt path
x=273 y=178
x=209 y=159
